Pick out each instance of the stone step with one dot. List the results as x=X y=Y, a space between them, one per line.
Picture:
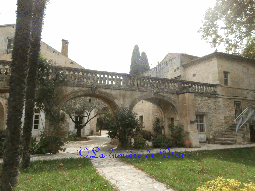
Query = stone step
x=225 y=142
x=225 y=139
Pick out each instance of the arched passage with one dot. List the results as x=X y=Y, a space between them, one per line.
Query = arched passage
x=70 y=125
x=163 y=107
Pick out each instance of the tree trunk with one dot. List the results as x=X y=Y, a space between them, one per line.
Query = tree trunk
x=11 y=158
x=37 y=22
x=79 y=131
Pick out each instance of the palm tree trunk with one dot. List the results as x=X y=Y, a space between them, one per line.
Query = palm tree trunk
x=37 y=22
x=11 y=158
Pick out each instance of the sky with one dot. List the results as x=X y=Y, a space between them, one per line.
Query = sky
x=102 y=34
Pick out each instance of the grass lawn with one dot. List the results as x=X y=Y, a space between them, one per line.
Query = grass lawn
x=64 y=174
x=198 y=167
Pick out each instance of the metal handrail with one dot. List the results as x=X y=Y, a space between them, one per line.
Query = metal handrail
x=250 y=114
x=241 y=114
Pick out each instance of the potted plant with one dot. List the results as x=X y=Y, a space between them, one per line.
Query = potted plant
x=187 y=143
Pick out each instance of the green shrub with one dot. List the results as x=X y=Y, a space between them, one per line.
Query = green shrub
x=122 y=125
x=162 y=141
x=139 y=142
x=157 y=126
x=229 y=185
x=177 y=134
x=146 y=135
x=71 y=136
x=2 y=139
x=51 y=141
x=33 y=146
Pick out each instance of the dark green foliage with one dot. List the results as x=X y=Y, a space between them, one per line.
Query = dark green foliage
x=46 y=95
x=2 y=139
x=50 y=142
x=139 y=64
x=146 y=135
x=162 y=141
x=177 y=134
x=139 y=142
x=36 y=147
x=230 y=22
x=122 y=124
x=144 y=62
x=157 y=126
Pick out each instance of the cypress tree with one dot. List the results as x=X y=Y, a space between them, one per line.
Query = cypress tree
x=139 y=64
x=135 y=61
x=144 y=62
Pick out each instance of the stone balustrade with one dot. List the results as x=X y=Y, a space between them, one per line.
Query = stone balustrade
x=142 y=83
x=89 y=78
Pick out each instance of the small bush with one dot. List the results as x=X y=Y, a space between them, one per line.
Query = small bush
x=177 y=134
x=33 y=146
x=51 y=141
x=222 y=184
x=146 y=135
x=162 y=141
x=71 y=136
x=157 y=126
x=139 y=142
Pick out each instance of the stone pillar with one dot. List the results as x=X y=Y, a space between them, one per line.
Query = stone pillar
x=188 y=117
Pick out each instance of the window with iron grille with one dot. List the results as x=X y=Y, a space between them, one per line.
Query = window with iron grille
x=225 y=78
x=200 y=123
x=9 y=45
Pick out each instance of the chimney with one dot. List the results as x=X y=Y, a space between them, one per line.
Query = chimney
x=64 y=49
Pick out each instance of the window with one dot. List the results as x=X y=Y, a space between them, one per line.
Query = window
x=78 y=121
x=172 y=120
x=141 y=120
x=36 y=118
x=200 y=123
x=225 y=78
x=238 y=109
x=9 y=45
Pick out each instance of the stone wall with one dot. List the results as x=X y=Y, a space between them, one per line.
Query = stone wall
x=170 y=66
x=3 y=110
x=220 y=114
x=59 y=59
x=149 y=112
x=205 y=71
x=213 y=110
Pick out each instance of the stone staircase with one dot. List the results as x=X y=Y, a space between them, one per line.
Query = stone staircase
x=228 y=137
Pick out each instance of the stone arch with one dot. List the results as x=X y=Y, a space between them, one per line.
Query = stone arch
x=103 y=96
x=2 y=116
x=166 y=105
x=161 y=101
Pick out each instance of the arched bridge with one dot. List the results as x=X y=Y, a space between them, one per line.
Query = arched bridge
x=119 y=89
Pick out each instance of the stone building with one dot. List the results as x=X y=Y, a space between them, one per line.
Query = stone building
x=214 y=115
x=187 y=98
x=7 y=33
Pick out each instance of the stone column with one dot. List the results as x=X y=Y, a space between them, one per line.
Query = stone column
x=187 y=117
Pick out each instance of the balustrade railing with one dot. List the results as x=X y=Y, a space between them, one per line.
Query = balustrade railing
x=75 y=76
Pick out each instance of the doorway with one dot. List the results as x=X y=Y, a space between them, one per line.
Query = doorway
x=252 y=133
